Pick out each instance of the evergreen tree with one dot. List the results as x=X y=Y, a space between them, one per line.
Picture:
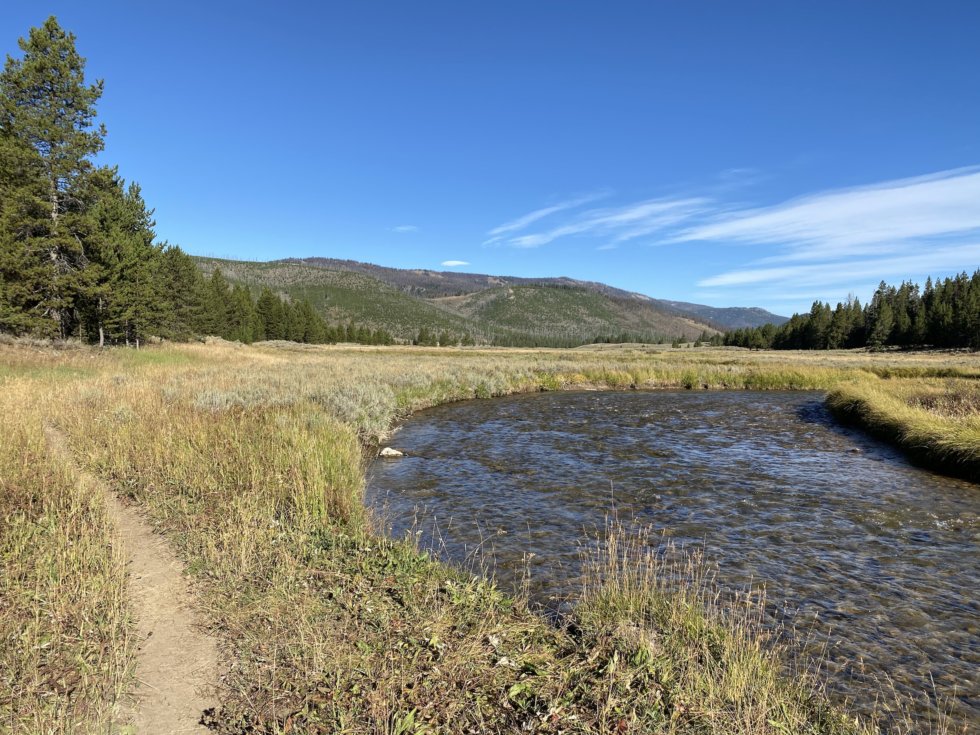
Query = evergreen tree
x=121 y=287
x=881 y=326
x=295 y=322
x=216 y=318
x=181 y=284
x=243 y=321
x=23 y=226
x=46 y=106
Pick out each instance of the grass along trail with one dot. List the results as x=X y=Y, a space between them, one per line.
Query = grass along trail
x=249 y=462
x=177 y=663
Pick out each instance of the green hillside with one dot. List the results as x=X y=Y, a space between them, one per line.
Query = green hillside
x=429 y=284
x=570 y=312
x=542 y=315
x=731 y=317
x=345 y=296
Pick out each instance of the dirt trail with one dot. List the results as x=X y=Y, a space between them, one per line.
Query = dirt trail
x=177 y=664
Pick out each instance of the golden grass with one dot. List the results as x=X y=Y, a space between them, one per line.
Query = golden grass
x=65 y=650
x=250 y=461
x=711 y=662
x=937 y=421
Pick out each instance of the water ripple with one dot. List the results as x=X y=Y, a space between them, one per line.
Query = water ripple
x=875 y=559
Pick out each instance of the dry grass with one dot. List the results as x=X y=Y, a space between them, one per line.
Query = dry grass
x=65 y=650
x=712 y=662
x=250 y=460
x=936 y=421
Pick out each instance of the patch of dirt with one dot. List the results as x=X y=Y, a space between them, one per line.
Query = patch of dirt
x=177 y=662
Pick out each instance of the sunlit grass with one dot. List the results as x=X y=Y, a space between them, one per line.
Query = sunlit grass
x=937 y=421
x=250 y=461
x=65 y=646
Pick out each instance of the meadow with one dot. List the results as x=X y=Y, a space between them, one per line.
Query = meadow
x=250 y=462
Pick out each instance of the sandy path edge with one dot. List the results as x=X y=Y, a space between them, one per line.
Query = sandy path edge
x=177 y=663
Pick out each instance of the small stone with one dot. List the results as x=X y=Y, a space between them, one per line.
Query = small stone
x=389 y=452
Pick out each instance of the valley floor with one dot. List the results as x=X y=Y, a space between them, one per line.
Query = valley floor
x=249 y=462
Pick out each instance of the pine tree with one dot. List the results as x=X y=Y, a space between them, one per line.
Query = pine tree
x=120 y=290
x=180 y=285
x=46 y=107
x=216 y=299
x=881 y=326
x=23 y=225
x=242 y=317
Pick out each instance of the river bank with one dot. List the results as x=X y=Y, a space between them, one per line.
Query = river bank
x=936 y=422
x=871 y=556
x=248 y=460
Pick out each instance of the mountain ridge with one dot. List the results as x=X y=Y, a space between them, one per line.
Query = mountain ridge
x=557 y=311
x=433 y=284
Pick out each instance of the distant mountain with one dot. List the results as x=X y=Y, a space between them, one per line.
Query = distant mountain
x=504 y=309
x=434 y=284
x=573 y=312
x=731 y=317
x=344 y=296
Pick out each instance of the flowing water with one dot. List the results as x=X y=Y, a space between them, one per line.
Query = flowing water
x=873 y=562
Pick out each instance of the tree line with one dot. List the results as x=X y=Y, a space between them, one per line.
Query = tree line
x=231 y=312
x=943 y=314
x=78 y=252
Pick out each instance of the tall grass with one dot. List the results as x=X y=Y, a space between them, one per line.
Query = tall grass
x=65 y=645
x=250 y=460
x=711 y=661
x=937 y=422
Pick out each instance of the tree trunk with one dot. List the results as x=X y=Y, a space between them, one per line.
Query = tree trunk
x=54 y=199
x=101 y=330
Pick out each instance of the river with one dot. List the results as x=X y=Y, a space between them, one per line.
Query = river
x=873 y=561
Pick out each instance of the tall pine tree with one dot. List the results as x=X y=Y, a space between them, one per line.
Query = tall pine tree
x=49 y=112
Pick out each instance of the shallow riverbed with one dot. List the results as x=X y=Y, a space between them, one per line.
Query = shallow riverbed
x=872 y=561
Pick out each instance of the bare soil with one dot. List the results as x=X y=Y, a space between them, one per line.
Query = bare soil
x=177 y=662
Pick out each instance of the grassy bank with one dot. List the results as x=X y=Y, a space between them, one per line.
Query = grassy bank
x=937 y=422
x=250 y=460
x=65 y=650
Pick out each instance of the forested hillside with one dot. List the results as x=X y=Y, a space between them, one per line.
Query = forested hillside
x=341 y=297
x=572 y=313
x=550 y=313
x=944 y=314
x=727 y=317
x=429 y=284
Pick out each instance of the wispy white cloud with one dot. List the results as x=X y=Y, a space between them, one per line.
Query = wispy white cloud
x=850 y=221
x=406 y=228
x=823 y=243
x=959 y=257
x=894 y=229
x=454 y=263
x=618 y=223
x=497 y=233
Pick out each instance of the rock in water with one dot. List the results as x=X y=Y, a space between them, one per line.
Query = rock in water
x=389 y=452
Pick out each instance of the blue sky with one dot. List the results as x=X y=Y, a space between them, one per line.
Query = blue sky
x=729 y=153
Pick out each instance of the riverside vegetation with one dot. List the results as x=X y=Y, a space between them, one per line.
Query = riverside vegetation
x=249 y=460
